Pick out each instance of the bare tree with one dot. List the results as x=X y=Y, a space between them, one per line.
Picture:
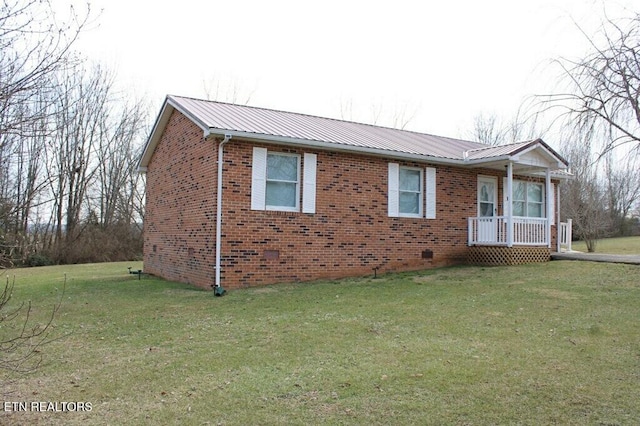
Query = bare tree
x=34 y=46
x=119 y=190
x=583 y=198
x=84 y=101
x=376 y=112
x=233 y=92
x=398 y=115
x=402 y=116
x=602 y=89
x=598 y=108
x=117 y=153
x=490 y=130
x=346 y=110
x=96 y=206
x=486 y=130
x=623 y=191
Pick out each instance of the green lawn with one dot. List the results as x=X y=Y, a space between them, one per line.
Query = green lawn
x=554 y=343
x=622 y=245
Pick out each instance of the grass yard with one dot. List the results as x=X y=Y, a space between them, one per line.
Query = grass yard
x=557 y=343
x=622 y=245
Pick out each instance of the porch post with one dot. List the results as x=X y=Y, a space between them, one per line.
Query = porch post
x=558 y=226
x=548 y=204
x=509 y=206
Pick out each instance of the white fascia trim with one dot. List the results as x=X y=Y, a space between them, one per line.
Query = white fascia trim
x=162 y=119
x=481 y=161
x=152 y=140
x=359 y=149
x=191 y=117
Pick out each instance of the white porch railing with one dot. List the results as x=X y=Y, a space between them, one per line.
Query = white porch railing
x=527 y=231
x=565 y=235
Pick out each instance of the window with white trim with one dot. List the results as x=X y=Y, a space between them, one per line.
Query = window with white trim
x=276 y=181
x=528 y=199
x=283 y=182
x=410 y=192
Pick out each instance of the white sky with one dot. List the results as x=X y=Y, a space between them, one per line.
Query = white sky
x=446 y=61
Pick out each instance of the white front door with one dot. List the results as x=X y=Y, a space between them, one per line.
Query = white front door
x=487 y=209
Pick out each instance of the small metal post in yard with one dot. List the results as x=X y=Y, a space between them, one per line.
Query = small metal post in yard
x=138 y=272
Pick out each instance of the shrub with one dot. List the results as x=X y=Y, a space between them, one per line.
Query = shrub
x=38 y=260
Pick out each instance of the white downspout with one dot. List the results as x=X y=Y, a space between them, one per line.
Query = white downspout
x=218 y=287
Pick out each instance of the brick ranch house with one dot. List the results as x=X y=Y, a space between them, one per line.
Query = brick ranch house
x=301 y=197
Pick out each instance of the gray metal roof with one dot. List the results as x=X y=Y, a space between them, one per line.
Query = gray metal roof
x=260 y=121
x=326 y=133
x=496 y=151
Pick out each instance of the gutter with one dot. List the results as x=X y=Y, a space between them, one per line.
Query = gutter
x=218 y=289
x=335 y=147
x=379 y=152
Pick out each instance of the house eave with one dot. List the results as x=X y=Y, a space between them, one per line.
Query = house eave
x=334 y=147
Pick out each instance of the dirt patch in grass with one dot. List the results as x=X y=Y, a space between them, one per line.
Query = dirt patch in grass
x=554 y=293
x=423 y=279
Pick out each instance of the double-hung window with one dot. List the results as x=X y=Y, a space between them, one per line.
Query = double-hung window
x=410 y=191
x=277 y=181
x=283 y=182
x=528 y=199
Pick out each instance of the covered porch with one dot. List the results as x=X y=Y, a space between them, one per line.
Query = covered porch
x=517 y=214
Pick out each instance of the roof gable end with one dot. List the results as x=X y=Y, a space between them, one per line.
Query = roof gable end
x=535 y=153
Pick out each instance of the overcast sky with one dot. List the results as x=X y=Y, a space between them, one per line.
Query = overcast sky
x=442 y=62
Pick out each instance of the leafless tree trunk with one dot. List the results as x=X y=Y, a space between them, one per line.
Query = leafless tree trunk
x=583 y=198
x=117 y=156
x=84 y=101
x=623 y=191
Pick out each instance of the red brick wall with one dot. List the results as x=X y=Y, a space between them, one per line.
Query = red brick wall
x=179 y=223
x=350 y=233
